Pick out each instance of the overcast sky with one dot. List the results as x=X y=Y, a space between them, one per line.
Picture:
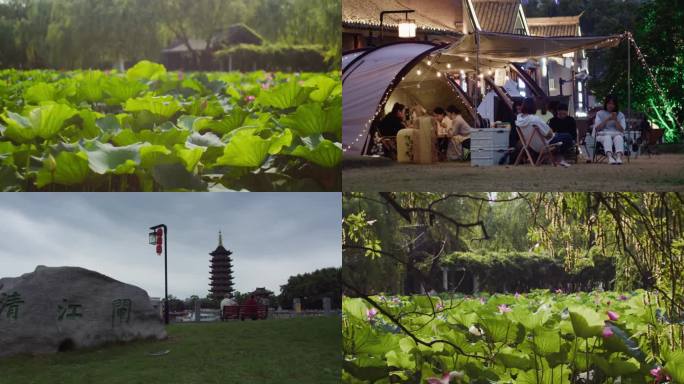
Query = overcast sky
x=272 y=236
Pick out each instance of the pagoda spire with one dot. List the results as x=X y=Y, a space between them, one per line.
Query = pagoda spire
x=220 y=271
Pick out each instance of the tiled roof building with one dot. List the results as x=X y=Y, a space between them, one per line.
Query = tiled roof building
x=555 y=26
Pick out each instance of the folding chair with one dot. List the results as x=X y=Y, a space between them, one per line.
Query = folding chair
x=581 y=143
x=652 y=139
x=600 y=152
x=389 y=146
x=546 y=151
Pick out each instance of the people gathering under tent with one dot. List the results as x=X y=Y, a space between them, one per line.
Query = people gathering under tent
x=556 y=131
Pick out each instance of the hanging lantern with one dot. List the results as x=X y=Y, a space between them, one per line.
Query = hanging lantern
x=160 y=240
x=500 y=77
x=407 y=29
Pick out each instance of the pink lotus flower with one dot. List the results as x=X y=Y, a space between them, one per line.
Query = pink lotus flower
x=446 y=378
x=250 y=98
x=503 y=308
x=440 y=306
x=659 y=375
x=371 y=313
x=482 y=300
x=517 y=296
x=607 y=332
x=623 y=298
x=559 y=291
x=613 y=316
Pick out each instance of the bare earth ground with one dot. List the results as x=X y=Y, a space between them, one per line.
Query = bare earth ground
x=663 y=172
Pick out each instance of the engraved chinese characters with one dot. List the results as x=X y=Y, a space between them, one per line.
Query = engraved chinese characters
x=50 y=306
x=10 y=304
x=121 y=311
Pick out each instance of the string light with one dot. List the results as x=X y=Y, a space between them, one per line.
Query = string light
x=645 y=65
x=385 y=98
x=666 y=104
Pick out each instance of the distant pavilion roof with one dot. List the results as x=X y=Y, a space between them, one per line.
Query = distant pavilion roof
x=233 y=35
x=555 y=26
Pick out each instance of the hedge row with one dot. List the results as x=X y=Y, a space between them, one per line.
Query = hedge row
x=524 y=271
x=274 y=57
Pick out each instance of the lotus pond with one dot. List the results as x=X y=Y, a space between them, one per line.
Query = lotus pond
x=152 y=130
x=541 y=337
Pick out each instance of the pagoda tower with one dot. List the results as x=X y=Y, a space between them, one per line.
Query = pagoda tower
x=221 y=274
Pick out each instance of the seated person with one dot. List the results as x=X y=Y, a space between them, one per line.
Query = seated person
x=563 y=123
x=250 y=308
x=459 y=133
x=543 y=112
x=514 y=145
x=227 y=302
x=610 y=128
x=442 y=127
x=527 y=121
x=393 y=122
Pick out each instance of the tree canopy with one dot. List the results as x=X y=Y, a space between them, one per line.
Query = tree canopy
x=311 y=288
x=69 y=34
x=397 y=242
x=658 y=30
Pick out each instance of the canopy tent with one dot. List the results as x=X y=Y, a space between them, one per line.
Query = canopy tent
x=370 y=79
x=504 y=47
x=348 y=57
x=367 y=79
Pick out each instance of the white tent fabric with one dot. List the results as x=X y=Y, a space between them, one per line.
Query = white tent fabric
x=511 y=87
x=364 y=84
x=517 y=48
x=486 y=107
x=348 y=58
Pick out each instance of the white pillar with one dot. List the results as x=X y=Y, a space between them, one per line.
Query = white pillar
x=445 y=278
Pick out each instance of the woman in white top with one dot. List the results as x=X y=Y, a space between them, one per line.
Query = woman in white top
x=610 y=128
x=459 y=133
x=527 y=121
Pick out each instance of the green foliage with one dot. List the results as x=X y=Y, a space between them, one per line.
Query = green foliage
x=491 y=339
x=311 y=288
x=112 y=33
x=275 y=57
x=151 y=130
x=522 y=271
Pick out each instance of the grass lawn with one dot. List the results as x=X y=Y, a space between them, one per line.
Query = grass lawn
x=303 y=350
x=664 y=172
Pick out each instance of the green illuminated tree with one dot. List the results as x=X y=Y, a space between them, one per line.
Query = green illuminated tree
x=659 y=32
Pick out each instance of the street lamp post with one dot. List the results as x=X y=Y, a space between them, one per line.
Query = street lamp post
x=154 y=240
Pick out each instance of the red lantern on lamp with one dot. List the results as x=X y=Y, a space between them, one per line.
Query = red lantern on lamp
x=160 y=240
